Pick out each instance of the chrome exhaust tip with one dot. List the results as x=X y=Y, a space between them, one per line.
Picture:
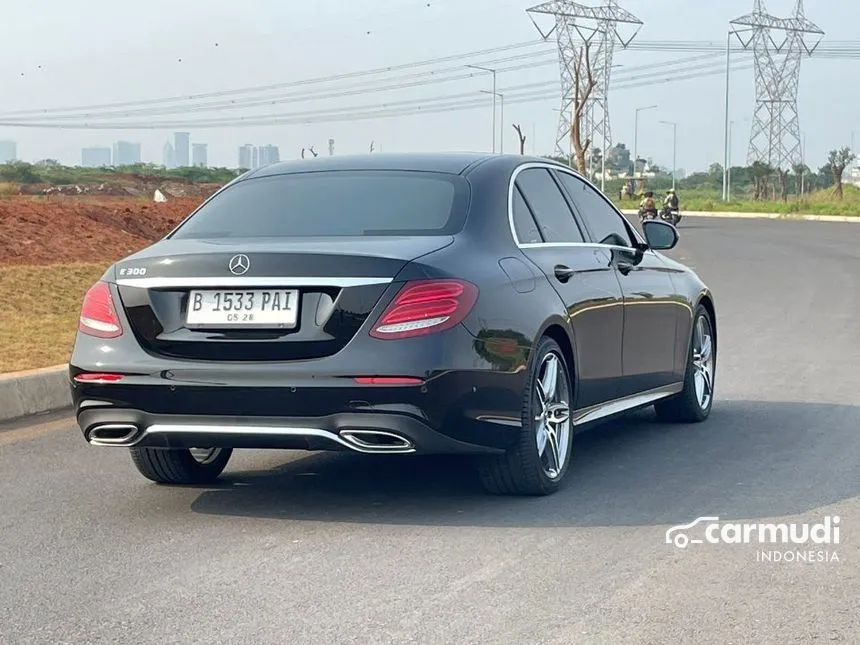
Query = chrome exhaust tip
x=113 y=434
x=376 y=441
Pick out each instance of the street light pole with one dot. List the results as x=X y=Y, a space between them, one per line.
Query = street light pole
x=502 y=124
x=636 y=136
x=501 y=133
x=728 y=125
x=495 y=94
x=674 y=149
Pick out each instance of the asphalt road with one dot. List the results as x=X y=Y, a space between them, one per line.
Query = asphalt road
x=297 y=548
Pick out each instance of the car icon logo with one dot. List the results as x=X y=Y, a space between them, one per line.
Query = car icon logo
x=239 y=264
x=678 y=536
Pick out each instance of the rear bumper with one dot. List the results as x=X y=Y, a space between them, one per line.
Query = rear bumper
x=459 y=396
x=357 y=432
x=453 y=412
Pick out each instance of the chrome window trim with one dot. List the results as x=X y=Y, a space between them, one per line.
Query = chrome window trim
x=250 y=282
x=558 y=168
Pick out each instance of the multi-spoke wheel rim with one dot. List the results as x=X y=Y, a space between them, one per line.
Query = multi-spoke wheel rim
x=552 y=414
x=204 y=455
x=703 y=362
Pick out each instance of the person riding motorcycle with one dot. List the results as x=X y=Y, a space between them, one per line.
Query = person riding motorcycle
x=647 y=207
x=671 y=209
x=672 y=201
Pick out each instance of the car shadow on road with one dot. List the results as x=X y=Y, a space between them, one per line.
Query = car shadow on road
x=750 y=459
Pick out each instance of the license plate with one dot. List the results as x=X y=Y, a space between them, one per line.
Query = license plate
x=258 y=308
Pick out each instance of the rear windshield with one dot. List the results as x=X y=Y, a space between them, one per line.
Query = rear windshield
x=333 y=203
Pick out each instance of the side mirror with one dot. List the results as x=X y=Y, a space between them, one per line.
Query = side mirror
x=661 y=236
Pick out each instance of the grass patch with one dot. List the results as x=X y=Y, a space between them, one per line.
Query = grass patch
x=821 y=202
x=39 y=309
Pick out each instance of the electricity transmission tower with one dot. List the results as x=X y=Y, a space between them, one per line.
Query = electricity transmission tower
x=778 y=45
x=575 y=26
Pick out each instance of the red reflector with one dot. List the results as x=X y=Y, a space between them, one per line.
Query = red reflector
x=387 y=380
x=424 y=307
x=98 y=314
x=89 y=377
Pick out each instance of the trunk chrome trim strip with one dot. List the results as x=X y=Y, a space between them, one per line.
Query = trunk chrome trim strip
x=251 y=282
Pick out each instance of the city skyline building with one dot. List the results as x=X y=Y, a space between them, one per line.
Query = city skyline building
x=199 y=155
x=168 y=155
x=245 y=153
x=96 y=157
x=8 y=151
x=181 y=148
x=126 y=153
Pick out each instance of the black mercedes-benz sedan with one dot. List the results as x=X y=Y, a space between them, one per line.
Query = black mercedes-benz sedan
x=393 y=305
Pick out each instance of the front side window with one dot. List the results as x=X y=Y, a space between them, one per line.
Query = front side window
x=601 y=219
x=334 y=204
x=550 y=209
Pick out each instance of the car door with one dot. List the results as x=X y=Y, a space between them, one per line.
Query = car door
x=548 y=234
x=651 y=306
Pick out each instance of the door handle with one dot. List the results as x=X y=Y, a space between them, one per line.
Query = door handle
x=563 y=273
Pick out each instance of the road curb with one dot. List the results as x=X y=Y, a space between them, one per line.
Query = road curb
x=786 y=216
x=33 y=392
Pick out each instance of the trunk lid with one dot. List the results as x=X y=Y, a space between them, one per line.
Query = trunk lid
x=306 y=297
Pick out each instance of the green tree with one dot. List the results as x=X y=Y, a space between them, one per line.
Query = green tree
x=838 y=160
x=760 y=173
x=801 y=171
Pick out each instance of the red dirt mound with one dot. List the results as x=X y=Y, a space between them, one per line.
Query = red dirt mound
x=59 y=230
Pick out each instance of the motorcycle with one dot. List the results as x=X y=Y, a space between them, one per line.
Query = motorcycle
x=647 y=214
x=671 y=215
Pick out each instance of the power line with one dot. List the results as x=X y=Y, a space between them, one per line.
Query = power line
x=454 y=103
x=284 y=85
x=849 y=50
x=648 y=77
x=684 y=63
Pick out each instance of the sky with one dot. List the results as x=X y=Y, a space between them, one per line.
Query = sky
x=56 y=54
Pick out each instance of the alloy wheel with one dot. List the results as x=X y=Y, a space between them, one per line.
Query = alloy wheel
x=703 y=362
x=552 y=414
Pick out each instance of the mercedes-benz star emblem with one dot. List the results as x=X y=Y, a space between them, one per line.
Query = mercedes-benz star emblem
x=239 y=264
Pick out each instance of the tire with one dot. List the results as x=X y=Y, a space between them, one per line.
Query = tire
x=180 y=465
x=691 y=406
x=524 y=469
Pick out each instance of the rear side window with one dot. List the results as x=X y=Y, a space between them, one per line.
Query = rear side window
x=524 y=222
x=334 y=204
x=549 y=206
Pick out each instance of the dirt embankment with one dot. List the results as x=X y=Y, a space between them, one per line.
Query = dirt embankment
x=66 y=229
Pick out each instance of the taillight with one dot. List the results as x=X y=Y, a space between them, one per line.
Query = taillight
x=424 y=307
x=93 y=377
x=388 y=380
x=98 y=314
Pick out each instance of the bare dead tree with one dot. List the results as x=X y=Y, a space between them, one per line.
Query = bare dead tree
x=522 y=138
x=583 y=87
x=311 y=150
x=371 y=147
